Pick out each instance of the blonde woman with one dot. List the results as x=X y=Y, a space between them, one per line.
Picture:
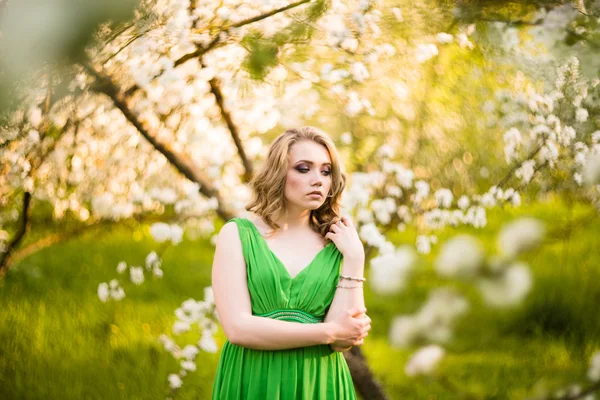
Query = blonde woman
x=288 y=280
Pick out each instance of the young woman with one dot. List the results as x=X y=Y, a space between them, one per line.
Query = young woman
x=288 y=280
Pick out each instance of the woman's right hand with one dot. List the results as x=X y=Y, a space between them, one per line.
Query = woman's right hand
x=350 y=329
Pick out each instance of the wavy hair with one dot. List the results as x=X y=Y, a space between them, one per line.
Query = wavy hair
x=268 y=185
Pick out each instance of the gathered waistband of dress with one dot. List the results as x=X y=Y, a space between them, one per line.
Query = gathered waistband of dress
x=292 y=315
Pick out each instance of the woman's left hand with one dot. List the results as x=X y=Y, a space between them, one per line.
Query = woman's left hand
x=344 y=235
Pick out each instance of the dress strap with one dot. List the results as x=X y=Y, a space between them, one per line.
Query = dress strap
x=245 y=233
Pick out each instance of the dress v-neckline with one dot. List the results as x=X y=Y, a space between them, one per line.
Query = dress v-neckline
x=278 y=261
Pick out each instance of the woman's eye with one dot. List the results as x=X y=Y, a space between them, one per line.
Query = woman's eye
x=302 y=169
x=326 y=172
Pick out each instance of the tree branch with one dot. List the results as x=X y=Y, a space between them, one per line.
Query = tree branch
x=268 y=14
x=60 y=237
x=233 y=129
x=530 y=156
x=201 y=50
x=5 y=261
x=104 y=84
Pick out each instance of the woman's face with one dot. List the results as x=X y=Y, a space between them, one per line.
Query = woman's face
x=309 y=171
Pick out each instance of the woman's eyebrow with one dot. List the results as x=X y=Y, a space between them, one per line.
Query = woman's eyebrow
x=311 y=163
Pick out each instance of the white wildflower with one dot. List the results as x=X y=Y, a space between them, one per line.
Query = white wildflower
x=188 y=365
x=175 y=381
x=136 y=275
x=208 y=344
x=181 y=326
x=152 y=260
x=209 y=296
x=121 y=267
x=117 y=293
x=103 y=292
x=157 y=272
x=190 y=352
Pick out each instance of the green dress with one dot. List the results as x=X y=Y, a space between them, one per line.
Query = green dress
x=313 y=372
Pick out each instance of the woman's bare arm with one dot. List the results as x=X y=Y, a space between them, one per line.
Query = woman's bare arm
x=348 y=298
x=232 y=300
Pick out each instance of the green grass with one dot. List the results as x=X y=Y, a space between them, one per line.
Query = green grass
x=58 y=341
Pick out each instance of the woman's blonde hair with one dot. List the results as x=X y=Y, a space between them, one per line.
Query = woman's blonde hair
x=269 y=184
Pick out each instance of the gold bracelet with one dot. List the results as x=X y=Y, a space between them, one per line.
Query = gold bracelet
x=348 y=287
x=353 y=278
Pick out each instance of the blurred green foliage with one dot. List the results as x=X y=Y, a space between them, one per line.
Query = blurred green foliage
x=57 y=340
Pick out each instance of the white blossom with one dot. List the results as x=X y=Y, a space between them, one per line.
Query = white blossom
x=591 y=170
x=425 y=51
x=526 y=170
x=463 y=202
x=581 y=115
x=389 y=272
x=512 y=141
x=444 y=38
x=162 y=232
x=443 y=197
x=507 y=289
x=519 y=236
x=424 y=361
x=433 y=322
x=359 y=72
x=422 y=191
x=397 y=13
x=346 y=138
x=461 y=257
